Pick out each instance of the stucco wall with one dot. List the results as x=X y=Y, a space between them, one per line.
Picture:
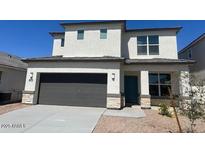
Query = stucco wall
x=167 y=44
x=168 y=67
x=118 y=42
x=91 y=45
x=57 y=49
x=12 y=81
x=113 y=86
x=198 y=51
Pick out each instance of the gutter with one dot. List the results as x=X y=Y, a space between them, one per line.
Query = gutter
x=74 y=59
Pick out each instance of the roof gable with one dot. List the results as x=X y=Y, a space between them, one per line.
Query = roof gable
x=194 y=42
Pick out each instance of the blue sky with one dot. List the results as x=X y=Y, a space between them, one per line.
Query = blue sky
x=31 y=38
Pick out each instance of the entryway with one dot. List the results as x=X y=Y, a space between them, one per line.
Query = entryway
x=131 y=90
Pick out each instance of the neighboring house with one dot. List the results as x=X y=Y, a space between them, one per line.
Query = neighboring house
x=196 y=51
x=12 y=78
x=104 y=64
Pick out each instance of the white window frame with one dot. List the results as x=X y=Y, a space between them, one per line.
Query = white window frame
x=148 y=53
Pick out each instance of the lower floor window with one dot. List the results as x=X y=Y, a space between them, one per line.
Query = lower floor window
x=159 y=84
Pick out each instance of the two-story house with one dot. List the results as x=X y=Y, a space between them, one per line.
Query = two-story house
x=195 y=51
x=104 y=64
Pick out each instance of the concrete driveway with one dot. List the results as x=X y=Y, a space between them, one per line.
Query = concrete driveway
x=51 y=119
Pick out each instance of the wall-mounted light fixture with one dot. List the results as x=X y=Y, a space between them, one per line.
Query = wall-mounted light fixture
x=113 y=76
x=31 y=76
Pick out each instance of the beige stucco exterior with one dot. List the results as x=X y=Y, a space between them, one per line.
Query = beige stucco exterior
x=57 y=49
x=119 y=43
x=114 y=87
x=167 y=45
x=91 y=45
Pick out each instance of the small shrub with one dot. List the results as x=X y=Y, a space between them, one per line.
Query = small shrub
x=164 y=110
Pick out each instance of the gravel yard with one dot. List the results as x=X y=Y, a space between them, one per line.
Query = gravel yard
x=10 y=107
x=151 y=123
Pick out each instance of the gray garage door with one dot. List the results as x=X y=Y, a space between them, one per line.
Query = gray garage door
x=73 y=89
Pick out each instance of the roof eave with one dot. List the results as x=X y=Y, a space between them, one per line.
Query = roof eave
x=74 y=60
x=159 y=63
x=187 y=62
x=192 y=43
x=53 y=34
x=177 y=29
x=94 y=22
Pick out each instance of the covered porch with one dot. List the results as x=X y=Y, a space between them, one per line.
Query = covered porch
x=147 y=83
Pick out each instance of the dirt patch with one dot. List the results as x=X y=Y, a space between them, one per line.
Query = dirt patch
x=152 y=123
x=11 y=107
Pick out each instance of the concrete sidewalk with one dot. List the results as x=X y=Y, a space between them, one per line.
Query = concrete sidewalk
x=135 y=112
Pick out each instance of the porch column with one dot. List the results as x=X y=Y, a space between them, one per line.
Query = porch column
x=113 y=92
x=28 y=96
x=144 y=85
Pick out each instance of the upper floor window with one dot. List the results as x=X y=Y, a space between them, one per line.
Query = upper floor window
x=189 y=54
x=62 y=42
x=153 y=45
x=80 y=35
x=142 y=45
x=148 y=45
x=159 y=84
x=103 y=34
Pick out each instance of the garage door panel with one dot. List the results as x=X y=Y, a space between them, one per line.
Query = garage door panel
x=88 y=93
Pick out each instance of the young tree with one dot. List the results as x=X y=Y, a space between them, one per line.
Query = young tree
x=193 y=106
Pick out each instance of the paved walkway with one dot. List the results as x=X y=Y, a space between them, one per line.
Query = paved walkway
x=135 y=112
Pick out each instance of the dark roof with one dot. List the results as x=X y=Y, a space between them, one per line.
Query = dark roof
x=60 y=58
x=192 y=43
x=56 y=33
x=7 y=60
x=116 y=21
x=159 y=61
x=94 y=22
x=154 y=29
x=111 y=59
